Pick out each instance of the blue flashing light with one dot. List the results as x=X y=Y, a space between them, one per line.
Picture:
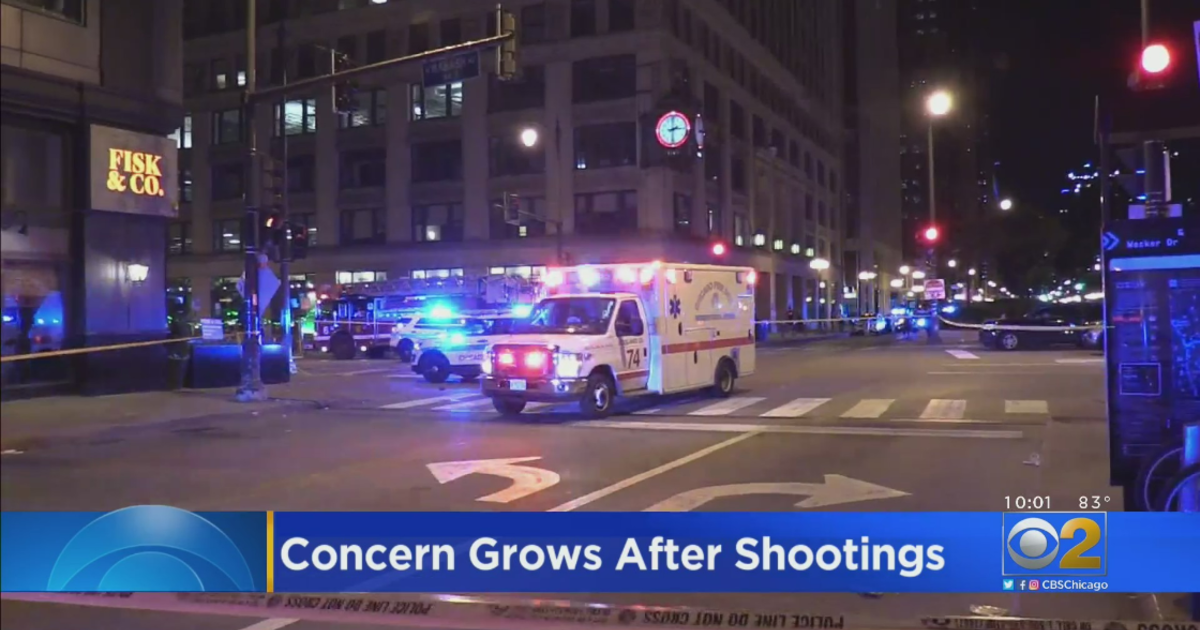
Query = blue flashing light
x=922 y=322
x=1066 y=191
x=441 y=311
x=521 y=311
x=1141 y=197
x=1141 y=171
x=8 y=318
x=1088 y=165
x=880 y=324
x=950 y=309
x=458 y=339
x=899 y=311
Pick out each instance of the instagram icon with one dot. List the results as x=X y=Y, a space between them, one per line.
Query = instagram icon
x=1034 y=585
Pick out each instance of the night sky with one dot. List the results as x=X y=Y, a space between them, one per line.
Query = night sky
x=1051 y=59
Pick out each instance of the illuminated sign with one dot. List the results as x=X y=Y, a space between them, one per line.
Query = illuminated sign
x=134 y=173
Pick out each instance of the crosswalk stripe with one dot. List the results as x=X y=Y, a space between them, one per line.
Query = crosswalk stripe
x=469 y=405
x=796 y=408
x=729 y=405
x=1026 y=406
x=869 y=408
x=962 y=354
x=939 y=409
x=409 y=404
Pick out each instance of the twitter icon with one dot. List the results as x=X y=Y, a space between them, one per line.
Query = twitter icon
x=1008 y=585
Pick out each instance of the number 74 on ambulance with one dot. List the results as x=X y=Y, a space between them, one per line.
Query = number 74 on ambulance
x=603 y=332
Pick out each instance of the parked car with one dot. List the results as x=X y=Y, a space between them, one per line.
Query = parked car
x=1051 y=325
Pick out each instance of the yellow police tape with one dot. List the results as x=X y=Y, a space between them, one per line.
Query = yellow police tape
x=70 y=351
x=457 y=612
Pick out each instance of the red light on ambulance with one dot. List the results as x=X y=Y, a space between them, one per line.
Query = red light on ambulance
x=506 y=358
x=626 y=274
x=554 y=278
x=647 y=275
x=718 y=249
x=535 y=360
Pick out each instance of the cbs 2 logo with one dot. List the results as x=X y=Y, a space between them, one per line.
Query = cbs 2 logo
x=1033 y=544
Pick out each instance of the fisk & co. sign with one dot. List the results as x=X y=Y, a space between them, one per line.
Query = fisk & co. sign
x=134 y=172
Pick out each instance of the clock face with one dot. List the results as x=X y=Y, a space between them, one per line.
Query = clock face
x=672 y=130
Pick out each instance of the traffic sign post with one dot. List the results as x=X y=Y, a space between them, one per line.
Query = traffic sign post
x=450 y=69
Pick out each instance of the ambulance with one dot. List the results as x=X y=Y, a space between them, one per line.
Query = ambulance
x=609 y=331
x=458 y=350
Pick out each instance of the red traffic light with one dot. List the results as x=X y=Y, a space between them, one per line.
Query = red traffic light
x=931 y=234
x=1155 y=58
x=718 y=249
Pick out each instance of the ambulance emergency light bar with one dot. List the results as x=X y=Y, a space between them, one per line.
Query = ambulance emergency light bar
x=591 y=278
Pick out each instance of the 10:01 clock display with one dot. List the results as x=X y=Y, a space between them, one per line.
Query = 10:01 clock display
x=1027 y=503
x=672 y=130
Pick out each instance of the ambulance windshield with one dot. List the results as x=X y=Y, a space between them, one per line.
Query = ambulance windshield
x=568 y=316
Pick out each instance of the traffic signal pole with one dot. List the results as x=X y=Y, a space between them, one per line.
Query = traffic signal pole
x=934 y=333
x=285 y=243
x=251 y=388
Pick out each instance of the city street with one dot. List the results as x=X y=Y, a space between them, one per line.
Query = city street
x=852 y=424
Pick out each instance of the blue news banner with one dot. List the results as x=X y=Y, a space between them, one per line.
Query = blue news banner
x=160 y=548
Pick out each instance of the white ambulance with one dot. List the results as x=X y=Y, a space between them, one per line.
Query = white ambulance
x=606 y=331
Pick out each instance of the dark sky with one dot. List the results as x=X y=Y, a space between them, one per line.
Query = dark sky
x=1055 y=55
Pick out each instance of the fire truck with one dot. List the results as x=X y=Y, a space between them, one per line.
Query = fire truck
x=362 y=318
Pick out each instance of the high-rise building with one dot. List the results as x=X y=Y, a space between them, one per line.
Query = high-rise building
x=88 y=183
x=872 y=199
x=944 y=46
x=409 y=183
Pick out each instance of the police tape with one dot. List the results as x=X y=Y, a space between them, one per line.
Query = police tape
x=1019 y=327
x=73 y=351
x=457 y=612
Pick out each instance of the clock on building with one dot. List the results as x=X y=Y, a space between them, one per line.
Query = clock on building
x=672 y=130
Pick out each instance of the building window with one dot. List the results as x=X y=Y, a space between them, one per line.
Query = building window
x=418 y=38
x=437 y=161
x=583 y=18
x=183 y=135
x=533 y=28
x=296 y=117
x=712 y=102
x=376 y=46
x=683 y=213
x=523 y=271
x=507 y=156
x=227 y=235
x=833 y=181
x=356 y=277
x=741 y=229
x=714 y=218
x=451 y=32
x=822 y=213
x=759 y=132
x=437 y=222
x=363 y=226
x=69 y=9
x=185 y=185
x=794 y=154
x=604 y=78
x=713 y=163
x=442 y=101
x=821 y=172
x=526 y=91
x=179 y=238
x=221 y=74
x=607 y=145
x=437 y=274
x=621 y=15
x=528 y=227
x=737 y=174
x=301 y=173
x=370 y=110
x=808 y=164
x=228 y=181
x=778 y=143
x=227 y=126
x=606 y=213
x=306 y=62
x=309 y=221
x=737 y=120
x=808 y=207
x=363 y=168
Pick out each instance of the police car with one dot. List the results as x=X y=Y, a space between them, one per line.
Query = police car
x=460 y=349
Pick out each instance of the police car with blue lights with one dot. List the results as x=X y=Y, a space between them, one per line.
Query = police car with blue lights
x=455 y=346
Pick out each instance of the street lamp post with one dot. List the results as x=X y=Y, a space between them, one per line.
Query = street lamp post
x=530 y=137
x=937 y=105
x=820 y=265
x=864 y=276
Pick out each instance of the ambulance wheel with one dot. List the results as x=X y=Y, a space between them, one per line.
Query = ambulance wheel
x=341 y=346
x=508 y=406
x=597 y=401
x=404 y=350
x=435 y=367
x=723 y=379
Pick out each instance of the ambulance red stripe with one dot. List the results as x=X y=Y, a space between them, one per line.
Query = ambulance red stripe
x=716 y=344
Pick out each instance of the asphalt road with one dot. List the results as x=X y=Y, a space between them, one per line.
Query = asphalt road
x=887 y=426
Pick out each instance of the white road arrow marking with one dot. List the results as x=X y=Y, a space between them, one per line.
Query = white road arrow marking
x=526 y=479
x=835 y=491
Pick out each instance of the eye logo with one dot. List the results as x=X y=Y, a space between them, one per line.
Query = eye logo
x=1033 y=543
x=151 y=548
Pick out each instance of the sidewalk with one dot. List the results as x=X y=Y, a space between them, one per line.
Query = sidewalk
x=28 y=423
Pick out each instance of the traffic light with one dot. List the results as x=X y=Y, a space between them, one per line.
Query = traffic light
x=931 y=234
x=1154 y=68
x=270 y=227
x=506 y=52
x=512 y=209
x=297 y=235
x=719 y=249
x=345 y=93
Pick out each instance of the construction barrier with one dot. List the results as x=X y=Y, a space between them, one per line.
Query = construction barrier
x=456 y=612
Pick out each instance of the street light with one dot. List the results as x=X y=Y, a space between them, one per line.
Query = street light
x=992 y=284
x=918 y=275
x=971 y=271
x=1155 y=58
x=952 y=263
x=905 y=270
x=896 y=283
x=867 y=275
x=1006 y=205
x=529 y=137
x=939 y=103
x=819 y=264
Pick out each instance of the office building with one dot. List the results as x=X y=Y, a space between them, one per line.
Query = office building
x=409 y=184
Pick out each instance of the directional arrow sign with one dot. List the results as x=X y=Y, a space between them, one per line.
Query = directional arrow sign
x=1110 y=241
x=836 y=490
x=526 y=479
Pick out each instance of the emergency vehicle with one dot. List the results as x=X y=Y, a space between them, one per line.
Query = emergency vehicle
x=366 y=318
x=458 y=350
x=605 y=331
